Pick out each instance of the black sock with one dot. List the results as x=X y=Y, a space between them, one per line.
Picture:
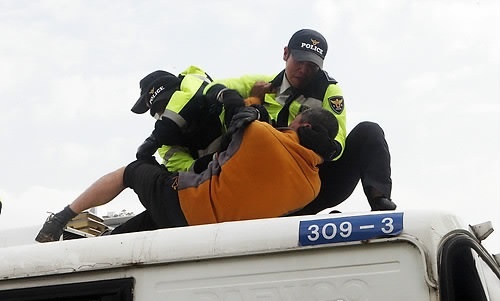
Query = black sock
x=65 y=215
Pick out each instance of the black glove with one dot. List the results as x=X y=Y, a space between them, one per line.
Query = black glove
x=167 y=132
x=317 y=139
x=243 y=117
x=231 y=99
x=264 y=115
x=232 y=102
x=201 y=163
x=148 y=148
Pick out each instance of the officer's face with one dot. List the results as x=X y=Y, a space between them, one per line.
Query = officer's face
x=299 y=74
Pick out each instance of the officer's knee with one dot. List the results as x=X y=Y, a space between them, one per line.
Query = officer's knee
x=368 y=129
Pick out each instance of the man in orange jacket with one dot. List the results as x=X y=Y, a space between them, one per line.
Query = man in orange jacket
x=222 y=192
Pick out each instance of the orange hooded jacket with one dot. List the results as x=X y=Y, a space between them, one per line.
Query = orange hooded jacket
x=264 y=173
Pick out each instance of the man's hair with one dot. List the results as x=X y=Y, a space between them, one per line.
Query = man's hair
x=319 y=137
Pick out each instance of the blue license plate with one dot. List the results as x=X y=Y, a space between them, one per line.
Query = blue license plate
x=349 y=228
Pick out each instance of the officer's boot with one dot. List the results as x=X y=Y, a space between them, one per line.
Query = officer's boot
x=381 y=203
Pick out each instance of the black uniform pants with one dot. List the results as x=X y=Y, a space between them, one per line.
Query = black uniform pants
x=366 y=157
x=153 y=184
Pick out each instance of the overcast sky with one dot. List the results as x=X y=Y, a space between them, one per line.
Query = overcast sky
x=427 y=71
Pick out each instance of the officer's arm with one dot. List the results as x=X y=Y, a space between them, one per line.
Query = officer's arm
x=334 y=102
x=242 y=84
x=176 y=158
x=166 y=132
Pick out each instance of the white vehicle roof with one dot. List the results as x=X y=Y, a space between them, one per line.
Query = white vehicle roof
x=423 y=228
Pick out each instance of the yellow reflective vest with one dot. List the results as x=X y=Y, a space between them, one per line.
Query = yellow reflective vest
x=323 y=91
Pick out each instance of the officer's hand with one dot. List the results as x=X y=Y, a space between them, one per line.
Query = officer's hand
x=243 y=117
x=259 y=90
x=148 y=148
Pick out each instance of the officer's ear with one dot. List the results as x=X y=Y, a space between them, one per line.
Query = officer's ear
x=286 y=53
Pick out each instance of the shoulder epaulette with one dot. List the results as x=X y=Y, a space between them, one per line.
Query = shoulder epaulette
x=329 y=78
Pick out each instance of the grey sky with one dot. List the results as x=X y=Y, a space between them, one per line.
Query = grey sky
x=427 y=71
